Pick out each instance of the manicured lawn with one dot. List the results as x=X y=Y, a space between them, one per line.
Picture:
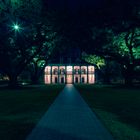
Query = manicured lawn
x=21 y=109
x=117 y=107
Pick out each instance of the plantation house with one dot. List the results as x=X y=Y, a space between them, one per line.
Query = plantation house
x=58 y=73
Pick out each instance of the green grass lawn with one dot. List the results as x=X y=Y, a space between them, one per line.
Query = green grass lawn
x=21 y=109
x=117 y=107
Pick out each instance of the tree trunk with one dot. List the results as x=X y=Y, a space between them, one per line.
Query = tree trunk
x=106 y=79
x=128 y=75
x=35 y=79
x=35 y=76
x=13 y=82
x=128 y=81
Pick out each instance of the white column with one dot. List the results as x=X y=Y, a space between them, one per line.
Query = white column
x=58 y=74
x=87 y=75
x=80 y=74
x=51 y=74
x=65 y=74
x=72 y=74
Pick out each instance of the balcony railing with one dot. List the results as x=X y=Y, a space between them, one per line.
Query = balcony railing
x=68 y=72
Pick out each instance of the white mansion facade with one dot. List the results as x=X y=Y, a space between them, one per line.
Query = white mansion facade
x=67 y=74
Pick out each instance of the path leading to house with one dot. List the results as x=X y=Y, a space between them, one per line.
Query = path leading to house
x=69 y=118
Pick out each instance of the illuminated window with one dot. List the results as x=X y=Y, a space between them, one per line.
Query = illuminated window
x=55 y=71
x=91 y=79
x=69 y=68
x=76 y=70
x=83 y=71
x=62 y=71
x=47 y=70
x=91 y=69
x=47 y=79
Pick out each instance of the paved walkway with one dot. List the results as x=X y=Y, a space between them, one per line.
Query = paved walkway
x=69 y=118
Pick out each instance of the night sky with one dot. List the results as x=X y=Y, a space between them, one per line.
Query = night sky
x=75 y=4
x=104 y=7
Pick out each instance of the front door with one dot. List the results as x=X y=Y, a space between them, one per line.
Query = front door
x=83 y=80
x=56 y=79
x=76 y=80
x=62 y=80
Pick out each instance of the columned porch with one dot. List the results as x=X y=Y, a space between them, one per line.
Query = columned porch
x=69 y=74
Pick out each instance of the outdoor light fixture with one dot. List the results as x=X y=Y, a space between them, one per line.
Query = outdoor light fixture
x=16 y=27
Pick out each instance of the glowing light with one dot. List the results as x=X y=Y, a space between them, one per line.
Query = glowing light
x=69 y=68
x=91 y=79
x=47 y=70
x=69 y=79
x=66 y=74
x=47 y=79
x=16 y=27
x=91 y=68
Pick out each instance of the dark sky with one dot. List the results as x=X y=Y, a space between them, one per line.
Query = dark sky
x=100 y=9
x=94 y=4
x=75 y=4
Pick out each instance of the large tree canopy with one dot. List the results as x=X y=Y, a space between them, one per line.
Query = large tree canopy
x=119 y=43
x=24 y=39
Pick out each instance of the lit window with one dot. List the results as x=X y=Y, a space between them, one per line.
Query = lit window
x=55 y=71
x=69 y=68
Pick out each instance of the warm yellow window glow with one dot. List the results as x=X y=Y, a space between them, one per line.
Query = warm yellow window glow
x=69 y=68
x=69 y=74
x=91 y=79
x=91 y=68
x=69 y=79
x=48 y=68
x=47 y=79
